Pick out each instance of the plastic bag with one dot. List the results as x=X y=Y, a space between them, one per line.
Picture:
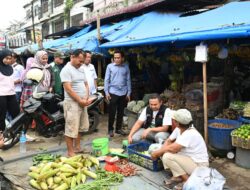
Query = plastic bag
x=155 y=146
x=205 y=178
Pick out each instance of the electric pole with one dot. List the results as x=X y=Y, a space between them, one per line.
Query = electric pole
x=33 y=24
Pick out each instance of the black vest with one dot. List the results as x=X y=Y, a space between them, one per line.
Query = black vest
x=158 y=118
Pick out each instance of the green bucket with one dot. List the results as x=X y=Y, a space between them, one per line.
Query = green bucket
x=100 y=146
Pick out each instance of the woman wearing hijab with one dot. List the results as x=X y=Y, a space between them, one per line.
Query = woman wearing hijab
x=39 y=62
x=29 y=63
x=7 y=93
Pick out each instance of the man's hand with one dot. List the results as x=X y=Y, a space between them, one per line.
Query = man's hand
x=50 y=89
x=155 y=155
x=85 y=102
x=145 y=133
x=128 y=98
x=129 y=139
x=108 y=97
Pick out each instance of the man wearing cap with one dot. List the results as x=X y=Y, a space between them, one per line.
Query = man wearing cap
x=90 y=73
x=183 y=151
x=57 y=66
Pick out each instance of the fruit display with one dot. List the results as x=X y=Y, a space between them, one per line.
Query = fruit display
x=241 y=137
x=246 y=111
x=237 y=105
x=229 y=114
x=176 y=101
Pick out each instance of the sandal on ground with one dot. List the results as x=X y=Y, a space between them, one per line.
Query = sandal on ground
x=179 y=186
x=171 y=181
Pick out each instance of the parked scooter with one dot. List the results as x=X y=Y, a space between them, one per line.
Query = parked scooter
x=48 y=122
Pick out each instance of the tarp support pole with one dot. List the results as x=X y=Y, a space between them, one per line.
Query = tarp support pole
x=204 y=70
x=98 y=25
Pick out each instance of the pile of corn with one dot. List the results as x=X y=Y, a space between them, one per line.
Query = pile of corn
x=64 y=173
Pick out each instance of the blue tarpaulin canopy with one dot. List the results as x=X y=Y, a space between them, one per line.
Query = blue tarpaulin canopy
x=53 y=43
x=89 y=40
x=229 y=21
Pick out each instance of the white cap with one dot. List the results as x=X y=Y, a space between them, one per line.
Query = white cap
x=182 y=116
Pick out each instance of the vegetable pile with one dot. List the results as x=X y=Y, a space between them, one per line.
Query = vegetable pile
x=136 y=106
x=246 y=111
x=229 y=114
x=47 y=157
x=125 y=168
x=104 y=181
x=64 y=173
x=237 y=105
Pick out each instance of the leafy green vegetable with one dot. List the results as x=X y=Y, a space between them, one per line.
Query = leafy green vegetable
x=104 y=181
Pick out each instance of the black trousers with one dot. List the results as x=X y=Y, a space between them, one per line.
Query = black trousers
x=8 y=103
x=116 y=105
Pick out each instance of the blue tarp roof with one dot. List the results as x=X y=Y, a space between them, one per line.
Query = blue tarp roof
x=54 y=43
x=229 y=21
x=89 y=40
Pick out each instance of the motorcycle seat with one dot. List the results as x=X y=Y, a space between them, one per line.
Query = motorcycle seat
x=60 y=105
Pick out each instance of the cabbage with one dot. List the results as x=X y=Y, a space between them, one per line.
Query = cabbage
x=137 y=108
x=131 y=105
x=141 y=103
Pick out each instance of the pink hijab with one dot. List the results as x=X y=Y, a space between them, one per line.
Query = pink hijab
x=29 y=63
x=43 y=67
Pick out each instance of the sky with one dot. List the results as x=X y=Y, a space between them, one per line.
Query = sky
x=11 y=10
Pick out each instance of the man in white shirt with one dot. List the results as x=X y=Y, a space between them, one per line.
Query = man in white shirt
x=154 y=122
x=90 y=73
x=184 y=150
x=17 y=72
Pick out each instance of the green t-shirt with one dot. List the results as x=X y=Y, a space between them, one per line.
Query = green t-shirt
x=58 y=84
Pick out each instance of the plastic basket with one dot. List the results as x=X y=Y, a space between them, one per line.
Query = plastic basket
x=244 y=120
x=143 y=160
x=240 y=142
x=220 y=138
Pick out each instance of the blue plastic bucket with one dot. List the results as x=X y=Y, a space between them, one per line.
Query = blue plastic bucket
x=220 y=138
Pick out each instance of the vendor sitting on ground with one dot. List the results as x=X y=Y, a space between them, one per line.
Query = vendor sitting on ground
x=154 y=122
x=183 y=151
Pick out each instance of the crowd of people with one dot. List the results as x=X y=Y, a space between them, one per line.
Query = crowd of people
x=57 y=77
x=184 y=148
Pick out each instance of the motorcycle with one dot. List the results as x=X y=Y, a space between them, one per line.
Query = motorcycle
x=46 y=109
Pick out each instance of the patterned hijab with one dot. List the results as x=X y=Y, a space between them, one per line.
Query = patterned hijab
x=44 y=67
x=6 y=70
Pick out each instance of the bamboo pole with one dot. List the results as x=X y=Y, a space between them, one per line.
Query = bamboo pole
x=98 y=25
x=204 y=70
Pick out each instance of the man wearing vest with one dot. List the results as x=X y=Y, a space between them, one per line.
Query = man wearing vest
x=154 y=122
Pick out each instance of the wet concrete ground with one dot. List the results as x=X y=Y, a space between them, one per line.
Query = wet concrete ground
x=237 y=178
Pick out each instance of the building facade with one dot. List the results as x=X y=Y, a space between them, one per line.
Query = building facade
x=46 y=17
